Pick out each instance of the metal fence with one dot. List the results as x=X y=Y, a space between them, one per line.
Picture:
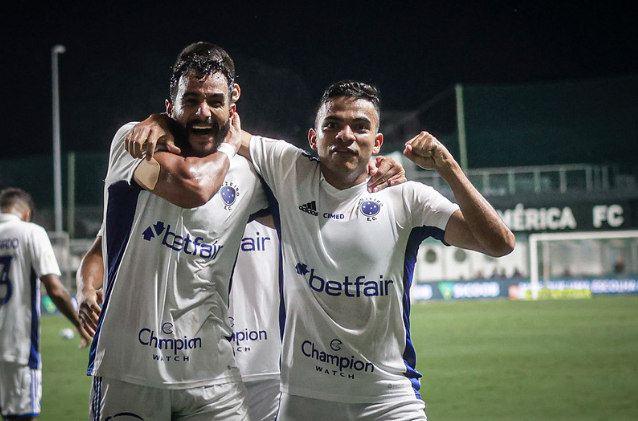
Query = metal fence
x=548 y=179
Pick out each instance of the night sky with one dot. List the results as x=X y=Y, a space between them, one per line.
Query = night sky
x=118 y=57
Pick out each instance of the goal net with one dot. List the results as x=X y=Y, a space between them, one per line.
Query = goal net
x=589 y=262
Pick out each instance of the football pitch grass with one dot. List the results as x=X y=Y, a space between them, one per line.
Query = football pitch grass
x=497 y=360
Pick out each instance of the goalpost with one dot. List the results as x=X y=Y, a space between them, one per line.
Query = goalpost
x=581 y=254
x=68 y=252
x=60 y=242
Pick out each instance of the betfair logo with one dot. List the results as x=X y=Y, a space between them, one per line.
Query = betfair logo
x=351 y=286
x=310 y=207
x=188 y=245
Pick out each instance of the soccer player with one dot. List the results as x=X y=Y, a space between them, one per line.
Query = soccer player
x=348 y=259
x=26 y=254
x=254 y=309
x=162 y=346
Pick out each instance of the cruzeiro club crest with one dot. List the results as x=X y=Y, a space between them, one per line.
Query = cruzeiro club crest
x=370 y=208
x=229 y=194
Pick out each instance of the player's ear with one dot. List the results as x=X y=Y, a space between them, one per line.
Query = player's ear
x=26 y=215
x=312 y=139
x=378 y=141
x=236 y=93
x=169 y=107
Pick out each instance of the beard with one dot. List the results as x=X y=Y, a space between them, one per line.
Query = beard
x=216 y=131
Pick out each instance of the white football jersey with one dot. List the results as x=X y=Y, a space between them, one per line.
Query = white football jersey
x=26 y=254
x=164 y=321
x=348 y=262
x=254 y=304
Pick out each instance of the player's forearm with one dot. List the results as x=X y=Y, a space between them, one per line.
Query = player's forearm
x=90 y=274
x=89 y=280
x=191 y=182
x=487 y=227
x=244 y=146
x=61 y=298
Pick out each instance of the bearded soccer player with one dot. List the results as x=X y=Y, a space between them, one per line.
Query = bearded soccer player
x=162 y=346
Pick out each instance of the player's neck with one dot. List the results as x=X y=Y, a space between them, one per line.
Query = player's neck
x=346 y=180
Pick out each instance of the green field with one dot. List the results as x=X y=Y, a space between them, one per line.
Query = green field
x=481 y=360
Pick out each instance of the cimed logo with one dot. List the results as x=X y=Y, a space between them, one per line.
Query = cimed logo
x=370 y=208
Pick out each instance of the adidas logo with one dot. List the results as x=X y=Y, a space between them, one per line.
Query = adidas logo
x=310 y=207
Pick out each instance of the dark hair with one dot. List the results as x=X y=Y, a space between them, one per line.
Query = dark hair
x=203 y=59
x=352 y=89
x=13 y=197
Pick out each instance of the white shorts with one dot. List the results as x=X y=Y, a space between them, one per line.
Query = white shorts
x=262 y=398
x=20 y=390
x=299 y=408
x=121 y=401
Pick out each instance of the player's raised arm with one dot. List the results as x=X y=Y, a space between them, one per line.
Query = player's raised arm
x=244 y=147
x=477 y=225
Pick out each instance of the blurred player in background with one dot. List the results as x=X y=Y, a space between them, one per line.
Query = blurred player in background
x=254 y=309
x=26 y=254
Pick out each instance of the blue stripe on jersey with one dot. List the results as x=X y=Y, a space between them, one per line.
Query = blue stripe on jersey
x=96 y=401
x=412 y=248
x=120 y=213
x=34 y=353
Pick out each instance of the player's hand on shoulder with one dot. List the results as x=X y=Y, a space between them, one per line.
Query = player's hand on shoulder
x=384 y=172
x=148 y=135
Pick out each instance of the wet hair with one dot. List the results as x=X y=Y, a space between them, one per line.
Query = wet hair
x=14 y=198
x=352 y=89
x=202 y=59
